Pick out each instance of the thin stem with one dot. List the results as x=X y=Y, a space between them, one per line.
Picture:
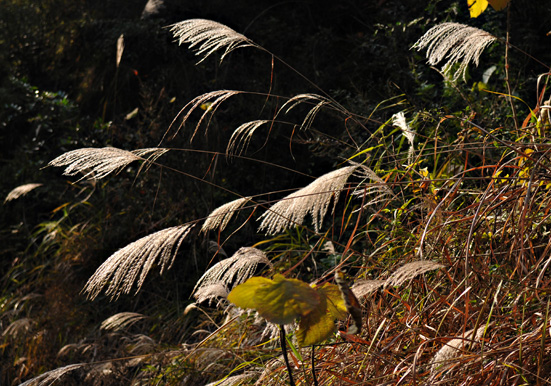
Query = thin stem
x=314 y=378
x=311 y=83
x=284 y=351
x=542 y=348
x=507 y=82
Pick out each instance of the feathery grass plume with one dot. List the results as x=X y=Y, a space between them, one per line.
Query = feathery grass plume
x=81 y=348
x=20 y=191
x=154 y=154
x=454 y=42
x=97 y=163
x=152 y=7
x=18 y=328
x=209 y=37
x=219 y=96
x=362 y=288
x=240 y=138
x=132 y=263
x=399 y=120
x=221 y=216
x=52 y=376
x=121 y=320
x=211 y=293
x=270 y=368
x=313 y=199
x=120 y=50
x=232 y=271
x=411 y=270
x=443 y=358
x=306 y=98
x=379 y=187
x=236 y=379
x=329 y=247
x=139 y=344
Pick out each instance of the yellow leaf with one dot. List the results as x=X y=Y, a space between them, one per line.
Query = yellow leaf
x=315 y=327
x=286 y=300
x=279 y=301
x=319 y=324
x=243 y=294
x=498 y=5
x=424 y=172
x=335 y=302
x=476 y=7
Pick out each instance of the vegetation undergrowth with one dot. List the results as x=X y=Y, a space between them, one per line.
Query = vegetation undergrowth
x=438 y=214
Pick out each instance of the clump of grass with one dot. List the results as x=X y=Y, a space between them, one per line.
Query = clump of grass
x=440 y=254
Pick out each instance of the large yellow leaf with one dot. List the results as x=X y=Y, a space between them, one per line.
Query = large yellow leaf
x=279 y=301
x=476 y=7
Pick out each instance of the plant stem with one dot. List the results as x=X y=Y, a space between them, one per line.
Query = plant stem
x=542 y=348
x=507 y=82
x=284 y=350
x=314 y=366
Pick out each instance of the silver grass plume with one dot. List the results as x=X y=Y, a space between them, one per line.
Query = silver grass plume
x=362 y=288
x=306 y=98
x=139 y=344
x=313 y=199
x=453 y=349
x=411 y=270
x=454 y=42
x=152 y=7
x=132 y=263
x=270 y=368
x=212 y=293
x=208 y=36
x=399 y=120
x=120 y=50
x=217 y=98
x=377 y=187
x=236 y=379
x=234 y=270
x=20 y=191
x=221 y=216
x=76 y=348
x=97 y=163
x=209 y=357
x=52 y=376
x=121 y=320
x=18 y=328
x=329 y=247
x=240 y=138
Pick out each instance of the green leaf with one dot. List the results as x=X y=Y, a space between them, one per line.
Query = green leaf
x=279 y=301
